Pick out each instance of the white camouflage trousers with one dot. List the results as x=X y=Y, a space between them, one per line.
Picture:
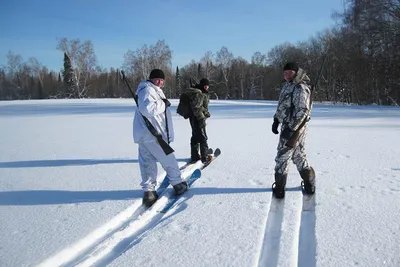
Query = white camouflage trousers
x=149 y=154
x=296 y=154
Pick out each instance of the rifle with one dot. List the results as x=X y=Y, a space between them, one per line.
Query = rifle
x=164 y=145
x=293 y=139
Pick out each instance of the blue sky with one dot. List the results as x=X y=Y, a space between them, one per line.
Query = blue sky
x=190 y=28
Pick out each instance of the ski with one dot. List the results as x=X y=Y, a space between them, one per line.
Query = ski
x=196 y=175
x=172 y=200
x=165 y=182
x=215 y=155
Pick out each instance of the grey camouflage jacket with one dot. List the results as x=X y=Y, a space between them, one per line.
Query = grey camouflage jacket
x=294 y=102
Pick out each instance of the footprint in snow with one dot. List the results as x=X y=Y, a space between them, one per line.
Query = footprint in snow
x=255 y=182
x=258 y=205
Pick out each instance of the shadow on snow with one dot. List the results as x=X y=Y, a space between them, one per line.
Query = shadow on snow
x=66 y=162
x=49 y=197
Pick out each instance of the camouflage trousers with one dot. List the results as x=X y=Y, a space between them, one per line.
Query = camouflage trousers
x=296 y=154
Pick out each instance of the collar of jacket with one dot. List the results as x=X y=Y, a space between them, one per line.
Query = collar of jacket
x=301 y=77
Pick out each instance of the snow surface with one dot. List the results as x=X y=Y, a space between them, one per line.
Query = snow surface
x=70 y=194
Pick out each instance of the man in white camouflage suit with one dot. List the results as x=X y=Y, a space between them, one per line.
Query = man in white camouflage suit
x=294 y=107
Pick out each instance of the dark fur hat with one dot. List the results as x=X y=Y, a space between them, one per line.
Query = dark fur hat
x=291 y=66
x=204 y=82
x=157 y=73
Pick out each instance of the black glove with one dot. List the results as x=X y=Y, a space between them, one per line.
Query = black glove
x=202 y=123
x=167 y=103
x=275 y=126
x=287 y=133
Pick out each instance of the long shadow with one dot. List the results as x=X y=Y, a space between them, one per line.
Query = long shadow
x=53 y=108
x=62 y=162
x=49 y=197
x=65 y=162
x=216 y=191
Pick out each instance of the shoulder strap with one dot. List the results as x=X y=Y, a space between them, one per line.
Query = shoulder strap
x=291 y=99
x=165 y=147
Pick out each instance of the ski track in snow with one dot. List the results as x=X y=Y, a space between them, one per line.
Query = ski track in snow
x=121 y=233
x=293 y=229
x=272 y=235
x=307 y=237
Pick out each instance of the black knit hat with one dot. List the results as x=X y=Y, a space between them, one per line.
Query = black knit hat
x=204 y=82
x=157 y=73
x=291 y=66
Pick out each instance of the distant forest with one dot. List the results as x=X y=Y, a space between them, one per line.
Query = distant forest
x=362 y=65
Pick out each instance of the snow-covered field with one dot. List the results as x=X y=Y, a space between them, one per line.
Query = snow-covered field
x=70 y=194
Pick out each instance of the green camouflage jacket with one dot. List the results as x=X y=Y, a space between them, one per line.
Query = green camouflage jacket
x=198 y=103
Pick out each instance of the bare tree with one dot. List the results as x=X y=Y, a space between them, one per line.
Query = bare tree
x=224 y=60
x=38 y=71
x=83 y=62
x=209 y=69
x=160 y=56
x=139 y=63
x=256 y=74
x=239 y=82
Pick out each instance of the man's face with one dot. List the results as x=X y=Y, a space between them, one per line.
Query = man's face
x=289 y=74
x=158 y=82
x=206 y=87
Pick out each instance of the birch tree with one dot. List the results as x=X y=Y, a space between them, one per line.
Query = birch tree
x=224 y=60
x=83 y=62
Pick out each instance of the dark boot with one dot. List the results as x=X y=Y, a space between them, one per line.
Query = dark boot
x=194 y=152
x=308 y=184
x=278 y=188
x=205 y=157
x=149 y=198
x=180 y=188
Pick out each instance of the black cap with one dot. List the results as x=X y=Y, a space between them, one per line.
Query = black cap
x=291 y=66
x=157 y=73
x=204 y=82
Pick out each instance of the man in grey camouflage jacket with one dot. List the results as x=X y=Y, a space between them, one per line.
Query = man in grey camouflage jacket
x=294 y=107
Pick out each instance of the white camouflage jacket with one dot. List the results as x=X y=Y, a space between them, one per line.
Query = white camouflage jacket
x=151 y=105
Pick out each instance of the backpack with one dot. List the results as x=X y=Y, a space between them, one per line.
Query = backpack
x=184 y=108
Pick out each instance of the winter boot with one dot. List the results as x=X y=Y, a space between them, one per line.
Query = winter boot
x=278 y=188
x=194 y=152
x=308 y=183
x=180 y=188
x=149 y=198
x=205 y=157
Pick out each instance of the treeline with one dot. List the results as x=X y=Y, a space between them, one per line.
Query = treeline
x=362 y=66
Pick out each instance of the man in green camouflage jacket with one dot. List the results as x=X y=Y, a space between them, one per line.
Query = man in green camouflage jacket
x=294 y=107
x=199 y=100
